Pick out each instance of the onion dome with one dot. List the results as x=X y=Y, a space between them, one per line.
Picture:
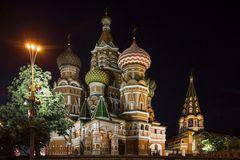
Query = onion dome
x=134 y=55
x=97 y=75
x=106 y=21
x=68 y=57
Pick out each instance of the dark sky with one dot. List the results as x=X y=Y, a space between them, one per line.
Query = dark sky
x=178 y=36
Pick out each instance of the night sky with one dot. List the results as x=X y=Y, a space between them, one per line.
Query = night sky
x=178 y=36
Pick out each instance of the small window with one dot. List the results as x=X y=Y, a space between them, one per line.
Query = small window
x=146 y=127
x=190 y=122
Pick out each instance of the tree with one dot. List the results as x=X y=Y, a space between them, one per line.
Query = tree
x=52 y=114
x=212 y=142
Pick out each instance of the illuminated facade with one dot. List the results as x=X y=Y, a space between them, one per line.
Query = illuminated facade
x=115 y=116
x=190 y=122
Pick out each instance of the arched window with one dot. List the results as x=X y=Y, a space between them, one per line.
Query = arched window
x=190 y=122
x=146 y=127
x=142 y=127
x=156 y=147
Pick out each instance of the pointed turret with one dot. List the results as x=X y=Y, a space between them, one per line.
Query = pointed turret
x=191 y=105
x=104 y=77
x=106 y=36
x=101 y=111
x=69 y=82
x=85 y=113
x=191 y=117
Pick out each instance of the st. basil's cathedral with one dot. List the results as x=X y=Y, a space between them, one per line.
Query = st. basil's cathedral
x=114 y=114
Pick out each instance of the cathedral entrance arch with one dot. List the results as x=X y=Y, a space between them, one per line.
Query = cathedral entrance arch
x=156 y=149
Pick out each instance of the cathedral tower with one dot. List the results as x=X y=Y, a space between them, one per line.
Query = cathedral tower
x=97 y=80
x=134 y=61
x=105 y=57
x=191 y=117
x=68 y=84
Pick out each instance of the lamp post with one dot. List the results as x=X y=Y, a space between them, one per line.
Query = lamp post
x=33 y=51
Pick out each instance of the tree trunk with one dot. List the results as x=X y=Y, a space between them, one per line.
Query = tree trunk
x=37 y=148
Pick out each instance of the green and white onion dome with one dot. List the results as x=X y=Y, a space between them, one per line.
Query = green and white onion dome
x=97 y=75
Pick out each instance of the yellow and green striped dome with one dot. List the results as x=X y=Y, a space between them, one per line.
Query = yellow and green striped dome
x=97 y=75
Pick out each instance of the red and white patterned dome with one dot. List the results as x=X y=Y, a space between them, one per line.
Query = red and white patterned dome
x=134 y=55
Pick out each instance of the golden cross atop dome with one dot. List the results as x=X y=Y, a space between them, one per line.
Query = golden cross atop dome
x=106 y=11
x=191 y=77
x=134 y=33
x=69 y=39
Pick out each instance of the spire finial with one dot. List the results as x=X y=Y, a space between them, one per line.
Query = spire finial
x=106 y=21
x=191 y=76
x=69 y=40
x=134 y=33
x=106 y=11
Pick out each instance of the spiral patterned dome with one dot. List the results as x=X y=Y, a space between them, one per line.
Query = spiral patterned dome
x=68 y=58
x=134 y=55
x=97 y=75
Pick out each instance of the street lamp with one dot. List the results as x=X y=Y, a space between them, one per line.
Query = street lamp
x=33 y=51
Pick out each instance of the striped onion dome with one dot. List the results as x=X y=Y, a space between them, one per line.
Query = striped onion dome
x=97 y=75
x=134 y=55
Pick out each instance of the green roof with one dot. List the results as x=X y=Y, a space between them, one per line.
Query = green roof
x=85 y=113
x=101 y=111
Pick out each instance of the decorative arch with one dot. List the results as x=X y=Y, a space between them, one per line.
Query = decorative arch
x=74 y=83
x=141 y=102
x=190 y=122
x=62 y=82
x=156 y=149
